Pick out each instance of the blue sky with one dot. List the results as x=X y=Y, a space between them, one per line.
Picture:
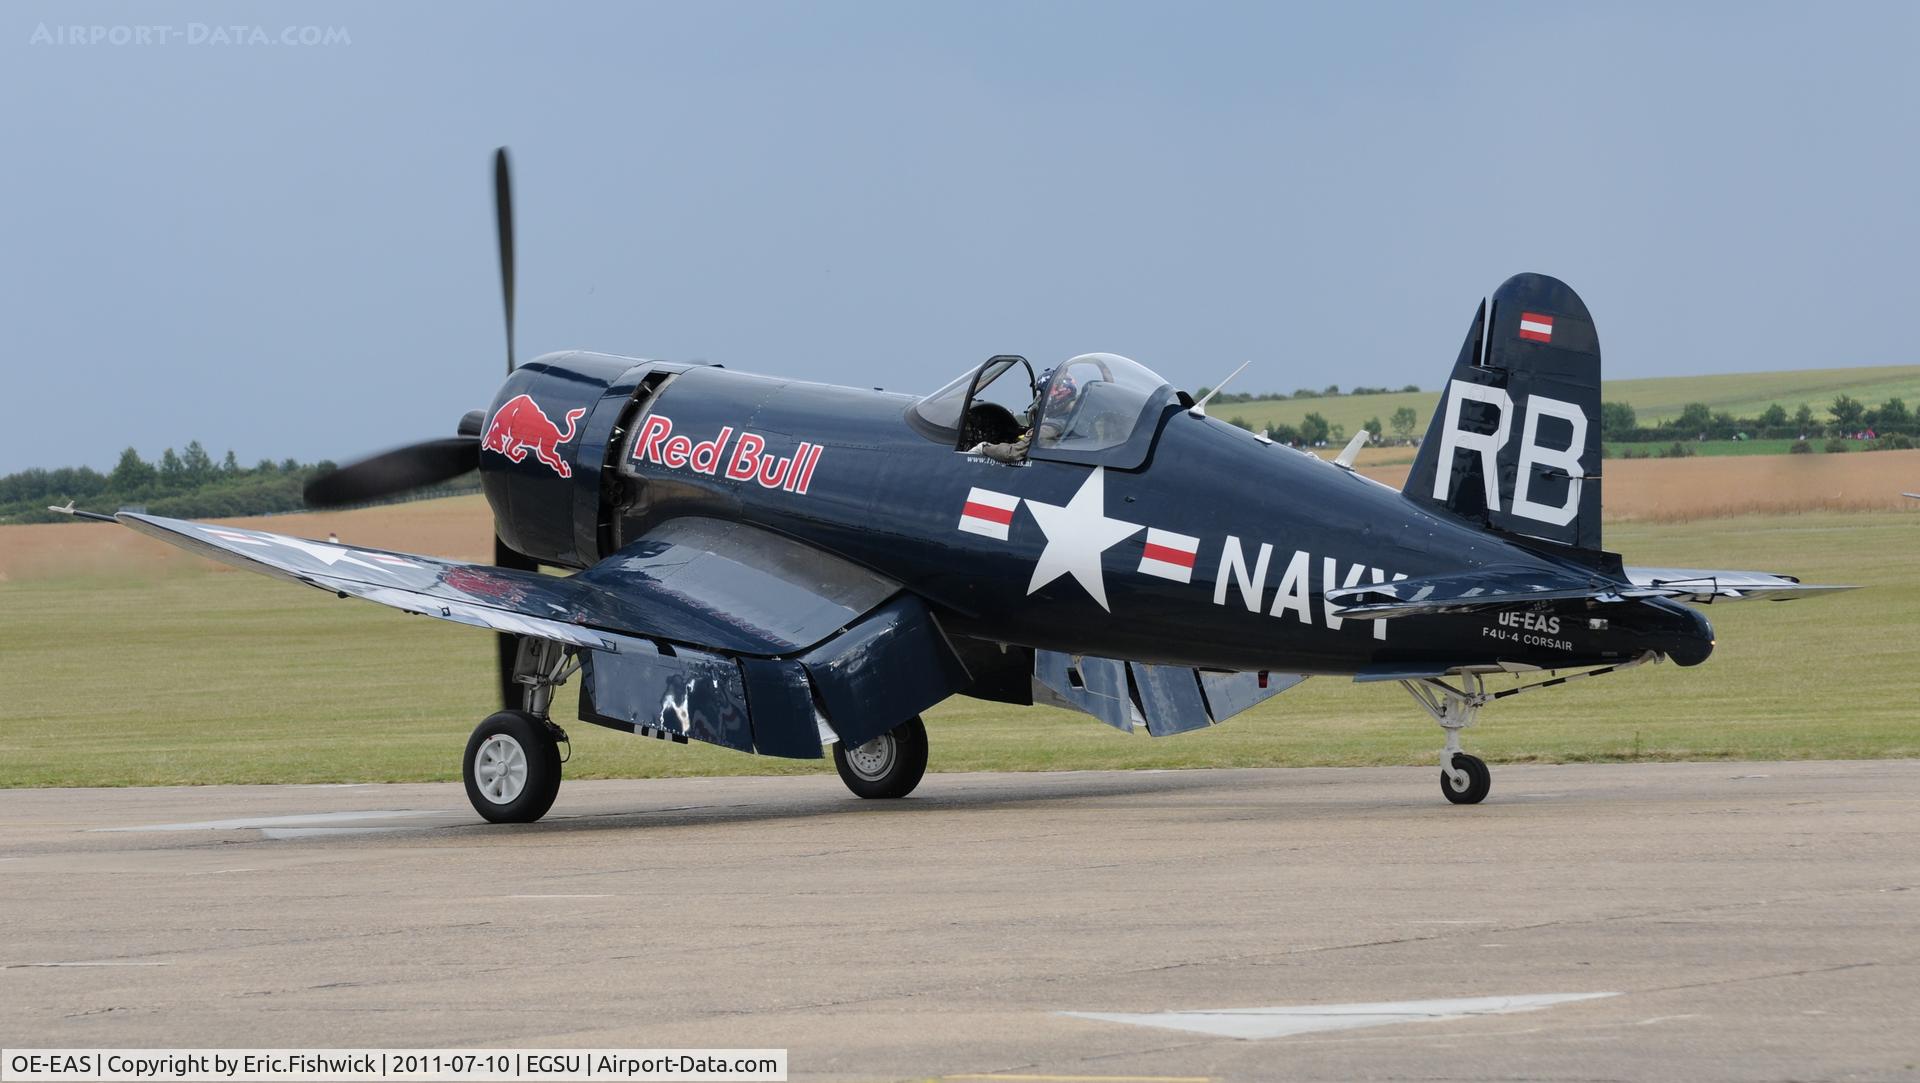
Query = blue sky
x=287 y=249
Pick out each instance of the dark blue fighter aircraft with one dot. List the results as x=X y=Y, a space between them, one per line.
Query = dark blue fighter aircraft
x=779 y=566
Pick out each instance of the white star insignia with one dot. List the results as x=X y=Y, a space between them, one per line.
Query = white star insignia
x=1076 y=536
x=325 y=554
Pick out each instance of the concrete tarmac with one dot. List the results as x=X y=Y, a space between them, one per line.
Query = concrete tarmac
x=1755 y=921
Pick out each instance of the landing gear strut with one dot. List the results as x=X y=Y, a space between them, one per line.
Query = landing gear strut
x=1464 y=779
x=512 y=765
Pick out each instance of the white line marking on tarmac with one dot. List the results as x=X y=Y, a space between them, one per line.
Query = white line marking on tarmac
x=559 y=896
x=85 y=962
x=320 y=832
x=310 y=819
x=1256 y=1023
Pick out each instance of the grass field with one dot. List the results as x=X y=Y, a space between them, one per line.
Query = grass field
x=178 y=672
x=1743 y=394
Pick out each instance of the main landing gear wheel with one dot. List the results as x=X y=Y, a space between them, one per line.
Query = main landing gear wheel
x=512 y=768
x=890 y=765
x=1468 y=782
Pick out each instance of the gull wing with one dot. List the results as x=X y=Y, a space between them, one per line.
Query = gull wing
x=702 y=628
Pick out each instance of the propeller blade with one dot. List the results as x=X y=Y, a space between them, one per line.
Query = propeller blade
x=392 y=472
x=505 y=556
x=503 y=226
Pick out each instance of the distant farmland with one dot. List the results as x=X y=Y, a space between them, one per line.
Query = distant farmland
x=1742 y=394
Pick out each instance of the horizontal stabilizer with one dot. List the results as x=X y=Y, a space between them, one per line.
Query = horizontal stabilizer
x=1491 y=587
x=1500 y=587
x=1704 y=586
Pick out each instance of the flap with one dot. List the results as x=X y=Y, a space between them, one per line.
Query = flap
x=1167 y=699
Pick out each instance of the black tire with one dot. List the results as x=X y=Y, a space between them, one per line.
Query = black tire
x=890 y=765
x=516 y=744
x=1479 y=780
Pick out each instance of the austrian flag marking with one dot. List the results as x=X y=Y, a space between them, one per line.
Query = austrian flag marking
x=1169 y=555
x=988 y=513
x=1535 y=327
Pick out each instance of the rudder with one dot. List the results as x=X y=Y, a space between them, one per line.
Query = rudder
x=1515 y=442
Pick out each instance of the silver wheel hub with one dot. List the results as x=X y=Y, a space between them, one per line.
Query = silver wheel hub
x=500 y=769
x=874 y=759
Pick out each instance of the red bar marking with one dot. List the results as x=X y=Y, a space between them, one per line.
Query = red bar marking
x=988 y=512
x=1161 y=552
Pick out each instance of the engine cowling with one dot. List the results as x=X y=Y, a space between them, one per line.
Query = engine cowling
x=544 y=448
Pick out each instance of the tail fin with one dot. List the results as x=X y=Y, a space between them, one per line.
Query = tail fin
x=1515 y=443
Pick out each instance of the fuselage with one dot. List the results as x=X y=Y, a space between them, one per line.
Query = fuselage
x=1214 y=551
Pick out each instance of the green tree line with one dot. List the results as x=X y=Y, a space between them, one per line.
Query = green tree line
x=1846 y=416
x=185 y=484
x=1892 y=423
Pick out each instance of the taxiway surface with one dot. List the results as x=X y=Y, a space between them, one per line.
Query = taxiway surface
x=1755 y=920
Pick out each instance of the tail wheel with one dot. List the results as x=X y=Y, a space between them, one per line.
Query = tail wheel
x=1470 y=790
x=890 y=765
x=512 y=768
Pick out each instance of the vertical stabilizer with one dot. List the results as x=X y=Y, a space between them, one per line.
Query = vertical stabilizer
x=1515 y=443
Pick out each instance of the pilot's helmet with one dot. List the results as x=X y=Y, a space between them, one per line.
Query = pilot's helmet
x=1061 y=395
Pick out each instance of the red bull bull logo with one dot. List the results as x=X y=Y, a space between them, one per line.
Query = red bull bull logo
x=520 y=426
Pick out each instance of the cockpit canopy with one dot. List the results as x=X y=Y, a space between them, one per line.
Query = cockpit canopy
x=1097 y=408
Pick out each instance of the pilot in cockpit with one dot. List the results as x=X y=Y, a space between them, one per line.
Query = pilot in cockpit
x=1060 y=393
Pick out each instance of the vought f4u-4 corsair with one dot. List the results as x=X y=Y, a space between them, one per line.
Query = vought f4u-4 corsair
x=780 y=567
